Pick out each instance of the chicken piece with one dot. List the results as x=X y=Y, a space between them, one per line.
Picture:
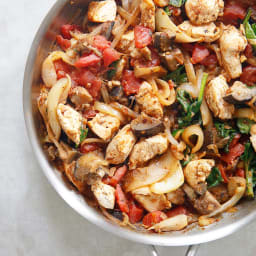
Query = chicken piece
x=104 y=126
x=214 y=93
x=172 y=59
x=148 y=101
x=232 y=43
x=102 y=11
x=79 y=96
x=70 y=121
x=104 y=194
x=147 y=9
x=120 y=146
x=176 y=197
x=203 y=11
x=240 y=93
x=220 y=192
x=147 y=149
x=150 y=201
x=90 y=167
x=126 y=42
x=208 y=32
x=196 y=173
x=206 y=203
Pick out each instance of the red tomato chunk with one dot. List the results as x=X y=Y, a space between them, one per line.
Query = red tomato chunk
x=63 y=43
x=135 y=212
x=67 y=28
x=177 y=211
x=87 y=61
x=88 y=147
x=101 y=43
x=61 y=68
x=234 y=152
x=249 y=75
x=119 y=174
x=233 y=12
x=142 y=36
x=109 y=56
x=199 y=53
x=153 y=218
x=130 y=83
x=121 y=199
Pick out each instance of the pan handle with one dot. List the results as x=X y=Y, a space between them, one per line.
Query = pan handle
x=191 y=251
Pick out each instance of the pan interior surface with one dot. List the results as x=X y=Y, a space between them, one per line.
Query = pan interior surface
x=65 y=12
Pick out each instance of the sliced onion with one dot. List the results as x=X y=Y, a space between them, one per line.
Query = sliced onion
x=107 y=109
x=49 y=75
x=104 y=93
x=175 y=223
x=170 y=138
x=57 y=94
x=190 y=131
x=92 y=140
x=245 y=113
x=189 y=69
x=125 y=110
x=205 y=113
x=230 y=203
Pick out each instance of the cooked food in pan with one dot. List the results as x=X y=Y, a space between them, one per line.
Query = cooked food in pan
x=149 y=109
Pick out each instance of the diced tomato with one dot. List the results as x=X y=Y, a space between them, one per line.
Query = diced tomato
x=249 y=75
x=109 y=56
x=235 y=140
x=233 y=12
x=61 y=68
x=174 y=10
x=188 y=47
x=199 y=53
x=90 y=113
x=142 y=36
x=240 y=172
x=121 y=199
x=135 y=212
x=176 y=211
x=87 y=79
x=130 y=83
x=88 y=147
x=222 y=172
x=248 y=51
x=67 y=28
x=63 y=43
x=87 y=61
x=234 y=152
x=119 y=174
x=153 y=218
x=211 y=60
x=101 y=43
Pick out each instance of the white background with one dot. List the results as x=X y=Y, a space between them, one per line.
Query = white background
x=34 y=220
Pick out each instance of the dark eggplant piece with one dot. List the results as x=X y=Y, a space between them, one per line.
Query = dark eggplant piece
x=172 y=59
x=239 y=93
x=145 y=126
x=116 y=93
x=163 y=41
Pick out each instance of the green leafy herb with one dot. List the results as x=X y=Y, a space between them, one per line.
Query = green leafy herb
x=176 y=131
x=177 y=3
x=249 y=158
x=168 y=11
x=244 y=125
x=83 y=135
x=190 y=107
x=178 y=76
x=112 y=71
x=225 y=131
x=250 y=30
x=187 y=160
x=214 y=178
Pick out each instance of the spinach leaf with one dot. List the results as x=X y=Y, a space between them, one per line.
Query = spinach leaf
x=250 y=30
x=225 y=131
x=178 y=76
x=177 y=3
x=214 y=178
x=83 y=135
x=249 y=158
x=190 y=107
x=244 y=125
x=112 y=71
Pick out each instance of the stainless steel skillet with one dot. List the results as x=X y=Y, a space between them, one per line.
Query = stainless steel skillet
x=62 y=12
